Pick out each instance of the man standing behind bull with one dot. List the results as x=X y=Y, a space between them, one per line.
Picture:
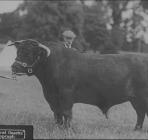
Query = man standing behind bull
x=69 y=40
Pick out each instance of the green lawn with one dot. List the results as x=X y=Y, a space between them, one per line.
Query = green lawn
x=22 y=102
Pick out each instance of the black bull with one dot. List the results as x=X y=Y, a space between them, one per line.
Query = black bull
x=69 y=77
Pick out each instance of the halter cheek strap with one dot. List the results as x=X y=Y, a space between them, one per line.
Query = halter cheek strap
x=29 y=67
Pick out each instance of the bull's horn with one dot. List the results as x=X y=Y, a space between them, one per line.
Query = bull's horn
x=10 y=43
x=46 y=48
x=19 y=41
x=14 y=42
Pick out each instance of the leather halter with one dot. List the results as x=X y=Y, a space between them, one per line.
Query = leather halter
x=29 y=67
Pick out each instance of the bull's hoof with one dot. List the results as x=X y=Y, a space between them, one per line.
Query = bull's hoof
x=66 y=125
x=59 y=122
x=62 y=125
x=138 y=128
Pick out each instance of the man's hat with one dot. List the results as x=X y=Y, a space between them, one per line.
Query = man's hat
x=69 y=33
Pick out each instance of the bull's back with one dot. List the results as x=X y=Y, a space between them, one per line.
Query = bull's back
x=111 y=77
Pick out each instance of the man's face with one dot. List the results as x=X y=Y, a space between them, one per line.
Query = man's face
x=68 y=39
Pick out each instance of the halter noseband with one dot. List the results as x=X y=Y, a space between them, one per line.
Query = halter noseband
x=29 y=67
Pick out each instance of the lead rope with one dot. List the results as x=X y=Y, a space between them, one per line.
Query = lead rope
x=11 y=78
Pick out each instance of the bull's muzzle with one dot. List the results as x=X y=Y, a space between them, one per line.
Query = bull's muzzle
x=17 y=69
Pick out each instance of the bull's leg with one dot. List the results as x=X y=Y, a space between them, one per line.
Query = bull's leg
x=144 y=96
x=67 y=118
x=66 y=105
x=140 y=109
x=146 y=104
x=54 y=106
x=58 y=118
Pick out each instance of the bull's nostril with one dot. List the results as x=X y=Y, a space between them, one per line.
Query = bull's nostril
x=12 y=67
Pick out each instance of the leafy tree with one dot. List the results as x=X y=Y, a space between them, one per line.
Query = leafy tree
x=98 y=16
x=95 y=30
x=9 y=22
x=144 y=4
x=117 y=32
x=135 y=25
x=46 y=20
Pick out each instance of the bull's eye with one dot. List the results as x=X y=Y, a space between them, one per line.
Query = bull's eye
x=24 y=65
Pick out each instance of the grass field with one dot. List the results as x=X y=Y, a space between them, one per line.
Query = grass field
x=22 y=102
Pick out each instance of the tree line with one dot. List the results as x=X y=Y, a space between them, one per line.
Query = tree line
x=98 y=24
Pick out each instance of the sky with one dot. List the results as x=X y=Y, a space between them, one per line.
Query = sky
x=9 y=5
x=7 y=57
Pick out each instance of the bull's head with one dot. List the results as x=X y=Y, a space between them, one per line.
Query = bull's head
x=30 y=54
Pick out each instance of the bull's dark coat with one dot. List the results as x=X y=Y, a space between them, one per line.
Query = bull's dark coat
x=69 y=77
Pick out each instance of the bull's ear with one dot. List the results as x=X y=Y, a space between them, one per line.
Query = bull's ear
x=16 y=43
x=41 y=53
x=10 y=43
x=45 y=48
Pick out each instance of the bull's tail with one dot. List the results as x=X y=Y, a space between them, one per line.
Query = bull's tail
x=105 y=111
